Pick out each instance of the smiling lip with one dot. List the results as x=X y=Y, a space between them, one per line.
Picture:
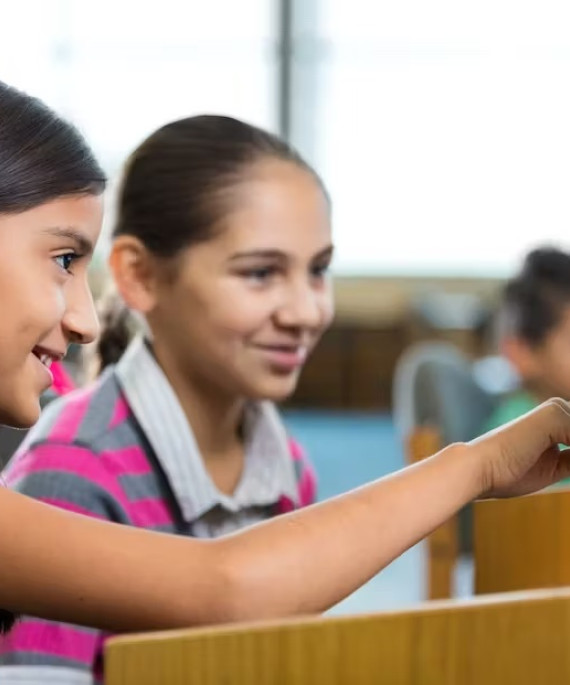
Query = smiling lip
x=46 y=357
x=284 y=357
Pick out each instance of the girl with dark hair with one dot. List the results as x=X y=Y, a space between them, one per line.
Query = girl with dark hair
x=534 y=332
x=50 y=215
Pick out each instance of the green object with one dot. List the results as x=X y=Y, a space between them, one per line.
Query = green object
x=510 y=408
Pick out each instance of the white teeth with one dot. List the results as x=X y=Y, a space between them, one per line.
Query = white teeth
x=46 y=360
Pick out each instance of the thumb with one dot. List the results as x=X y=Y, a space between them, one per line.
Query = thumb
x=562 y=470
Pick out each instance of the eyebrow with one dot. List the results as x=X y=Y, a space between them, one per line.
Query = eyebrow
x=83 y=245
x=277 y=254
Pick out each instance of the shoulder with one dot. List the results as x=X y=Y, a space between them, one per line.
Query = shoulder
x=82 y=416
x=76 y=451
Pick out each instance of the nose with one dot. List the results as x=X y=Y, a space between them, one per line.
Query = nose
x=305 y=306
x=80 y=321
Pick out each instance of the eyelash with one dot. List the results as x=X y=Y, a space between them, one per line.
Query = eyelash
x=320 y=270
x=264 y=273
x=71 y=256
x=260 y=274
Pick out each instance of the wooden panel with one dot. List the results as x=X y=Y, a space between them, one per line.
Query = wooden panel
x=352 y=368
x=372 y=361
x=522 y=543
x=422 y=443
x=520 y=639
x=442 y=544
x=323 y=380
x=442 y=554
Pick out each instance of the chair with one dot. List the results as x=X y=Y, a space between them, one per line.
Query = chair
x=435 y=384
x=442 y=544
x=518 y=544
x=522 y=543
x=437 y=389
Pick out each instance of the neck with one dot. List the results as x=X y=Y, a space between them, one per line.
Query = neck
x=215 y=416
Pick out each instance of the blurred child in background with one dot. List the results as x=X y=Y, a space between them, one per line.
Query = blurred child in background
x=534 y=332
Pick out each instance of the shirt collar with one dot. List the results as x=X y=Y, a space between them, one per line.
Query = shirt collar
x=268 y=472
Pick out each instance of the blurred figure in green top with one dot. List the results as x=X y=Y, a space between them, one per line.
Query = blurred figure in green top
x=534 y=332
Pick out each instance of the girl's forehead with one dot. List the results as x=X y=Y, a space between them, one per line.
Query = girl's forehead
x=241 y=235
x=276 y=216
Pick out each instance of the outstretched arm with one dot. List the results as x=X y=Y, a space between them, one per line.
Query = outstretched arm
x=67 y=567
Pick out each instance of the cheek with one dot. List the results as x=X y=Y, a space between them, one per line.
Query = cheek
x=44 y=317
x=52 y=302
x=556 y=363
x=241 y=317
x=228 y=310
x=325 y=304
x=35 y=306
x=328 y=309
x=564 y=364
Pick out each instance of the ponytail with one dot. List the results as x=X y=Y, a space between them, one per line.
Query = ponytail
x=7 y=621
x=118 y=327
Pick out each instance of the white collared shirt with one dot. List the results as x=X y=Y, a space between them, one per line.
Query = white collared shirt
x=268 y=472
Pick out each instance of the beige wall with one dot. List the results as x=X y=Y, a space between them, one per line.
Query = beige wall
x=384 y=300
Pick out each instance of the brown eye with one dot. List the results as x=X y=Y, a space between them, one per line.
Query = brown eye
x=262 y=274
x=319 y=270
x=65 y=261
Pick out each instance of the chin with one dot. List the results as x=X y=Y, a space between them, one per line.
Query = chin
x=21 y=414
x=278 y=390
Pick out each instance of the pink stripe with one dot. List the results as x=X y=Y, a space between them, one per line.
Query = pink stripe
x=62 y=381
x=71 y=506
x=68 y=459
x=130 y=460
x=285 y=505
x=68 y=422
x=307 y=485
x=120 y=413
x=53 y=639
x=296 y=450
x=148 y=513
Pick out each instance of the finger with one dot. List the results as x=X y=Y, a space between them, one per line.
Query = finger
x=562 y=404
x=563 y=464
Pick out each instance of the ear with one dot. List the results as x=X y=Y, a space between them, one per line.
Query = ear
x=134 y=271
x=521 y=355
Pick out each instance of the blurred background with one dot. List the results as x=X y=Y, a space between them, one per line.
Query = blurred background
x=441 y=130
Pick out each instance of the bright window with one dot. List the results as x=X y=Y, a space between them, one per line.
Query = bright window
x=443 y=131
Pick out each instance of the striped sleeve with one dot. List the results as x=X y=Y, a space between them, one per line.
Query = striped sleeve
x=305 y=473
x=74 y=478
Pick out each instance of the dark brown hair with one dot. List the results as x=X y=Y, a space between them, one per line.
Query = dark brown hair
x=42 y=157
x=534 y=300
x=7 y=621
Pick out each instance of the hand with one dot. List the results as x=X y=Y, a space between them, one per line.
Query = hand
x=523 y=456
